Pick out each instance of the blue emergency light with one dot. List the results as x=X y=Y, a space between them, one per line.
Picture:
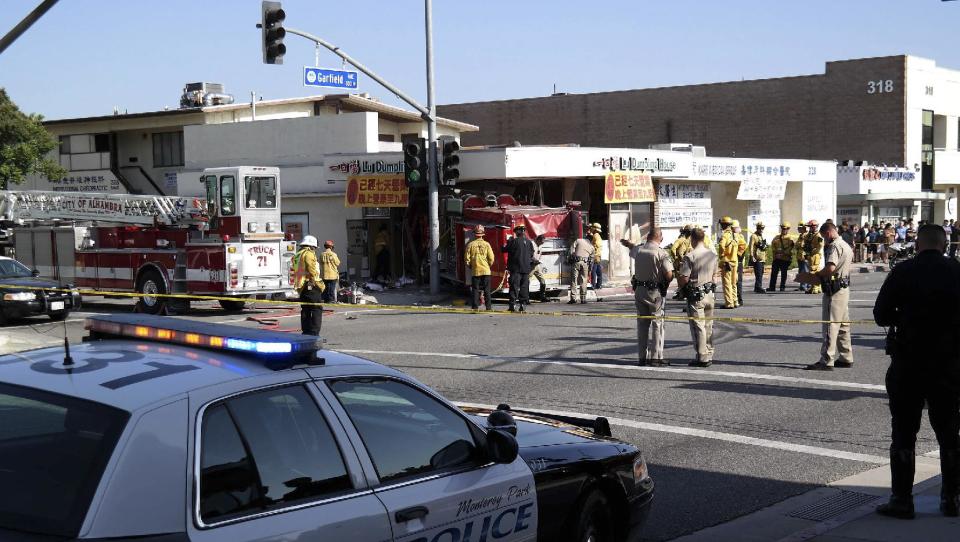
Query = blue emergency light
x=276 y=349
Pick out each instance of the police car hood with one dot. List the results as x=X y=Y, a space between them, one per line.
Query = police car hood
x=29 y=282
x=534 y=430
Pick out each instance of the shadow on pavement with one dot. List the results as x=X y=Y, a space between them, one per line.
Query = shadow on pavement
x=818 y=394
x=688 y=500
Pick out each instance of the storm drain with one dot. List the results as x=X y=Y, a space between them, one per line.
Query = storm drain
x=832 y=506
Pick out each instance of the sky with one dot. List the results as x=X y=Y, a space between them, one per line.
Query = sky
x=86 y=57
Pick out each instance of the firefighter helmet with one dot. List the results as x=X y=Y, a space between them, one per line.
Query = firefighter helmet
x=309 y=241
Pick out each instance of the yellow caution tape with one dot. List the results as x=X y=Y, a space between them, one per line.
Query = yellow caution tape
x=444 y=310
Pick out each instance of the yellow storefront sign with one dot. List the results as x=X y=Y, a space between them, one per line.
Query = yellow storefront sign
x=376 y=191
x=626 y=187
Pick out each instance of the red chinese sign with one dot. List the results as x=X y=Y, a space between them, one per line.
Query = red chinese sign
x=376 y=191
x=624 y=187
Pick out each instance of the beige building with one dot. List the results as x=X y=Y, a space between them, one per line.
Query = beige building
x=309 y=139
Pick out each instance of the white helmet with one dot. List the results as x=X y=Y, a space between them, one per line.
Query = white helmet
x=309 y=241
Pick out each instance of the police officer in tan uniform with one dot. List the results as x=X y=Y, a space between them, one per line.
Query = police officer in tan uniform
x=581 y=256
x=678 y=250
x=696 y=278
x=653 y=272
x=835 y=281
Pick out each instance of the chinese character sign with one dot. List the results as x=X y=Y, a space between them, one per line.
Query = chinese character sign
x=628 y=188
x=761 y=189
x=376 y=191
x=684 y=195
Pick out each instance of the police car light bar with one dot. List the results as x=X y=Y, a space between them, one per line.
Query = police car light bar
x=271 y=346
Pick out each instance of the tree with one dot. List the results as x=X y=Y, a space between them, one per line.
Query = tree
x=24 y=144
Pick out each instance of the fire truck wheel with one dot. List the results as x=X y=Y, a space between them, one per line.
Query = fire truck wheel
x=232 y=306
x=151 y=283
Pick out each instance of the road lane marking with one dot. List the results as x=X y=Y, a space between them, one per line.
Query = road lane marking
x=713 y=435
x=676 y=370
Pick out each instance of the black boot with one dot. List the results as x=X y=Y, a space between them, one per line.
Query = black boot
x=900 y=506
x=950 y=490
x=543 y=293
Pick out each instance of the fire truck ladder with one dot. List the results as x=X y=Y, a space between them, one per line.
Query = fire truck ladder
x=22 y=207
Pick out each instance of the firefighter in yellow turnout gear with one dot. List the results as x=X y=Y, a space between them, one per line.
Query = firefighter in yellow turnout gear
x=728 y=252
x=308 y=282
x=680 y=248
x=329 y=272
x=813 y=251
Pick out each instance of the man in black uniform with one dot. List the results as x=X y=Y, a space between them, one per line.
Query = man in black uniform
x=918 y=302
x=519 y=252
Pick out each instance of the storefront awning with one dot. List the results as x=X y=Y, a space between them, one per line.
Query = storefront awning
x=867 y=199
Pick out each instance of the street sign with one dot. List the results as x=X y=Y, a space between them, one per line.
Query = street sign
x=323 y=77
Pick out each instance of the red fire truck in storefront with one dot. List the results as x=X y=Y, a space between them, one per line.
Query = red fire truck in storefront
x=230 y=244
x=499 y=216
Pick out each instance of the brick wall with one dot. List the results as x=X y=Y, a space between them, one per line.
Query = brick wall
x=828 y=116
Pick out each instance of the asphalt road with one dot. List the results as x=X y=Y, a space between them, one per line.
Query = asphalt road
x=748 y=432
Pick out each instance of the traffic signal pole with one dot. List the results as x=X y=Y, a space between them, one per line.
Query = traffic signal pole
x=428 y=114
x=433 y=200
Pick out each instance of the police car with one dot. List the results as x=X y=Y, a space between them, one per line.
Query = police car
x=158 y=429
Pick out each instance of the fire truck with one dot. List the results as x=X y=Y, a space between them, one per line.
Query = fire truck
x=499 y=215
x=230 y=244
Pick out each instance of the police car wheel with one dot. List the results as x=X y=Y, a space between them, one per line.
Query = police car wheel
x=151 y=283
x=593 y=519
x=59 y=315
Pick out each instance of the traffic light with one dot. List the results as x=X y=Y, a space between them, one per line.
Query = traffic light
x=415 y=162
x=450 y=162
x=271 y=26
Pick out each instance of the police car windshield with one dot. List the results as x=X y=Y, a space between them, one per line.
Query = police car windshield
x=13 y=269
x=53 y=450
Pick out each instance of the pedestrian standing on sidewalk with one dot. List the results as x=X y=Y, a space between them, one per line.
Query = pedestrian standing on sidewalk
x=954 y=240
x=479 y=258
x=696 y=278
x=834 y=279
x=519 y=251
x=535 y=264
x=758 y=255
x=918 y=303
x=652 y=274
x=330 y=271
x=581 y=254
x=306 y=279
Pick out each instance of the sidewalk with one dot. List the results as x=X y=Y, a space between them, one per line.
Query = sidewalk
x=844 y=512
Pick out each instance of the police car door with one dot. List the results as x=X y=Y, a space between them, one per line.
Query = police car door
x=428 y=465
x=273 y=464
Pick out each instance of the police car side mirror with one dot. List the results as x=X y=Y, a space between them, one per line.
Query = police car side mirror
x=35 y=273
x=502 y=447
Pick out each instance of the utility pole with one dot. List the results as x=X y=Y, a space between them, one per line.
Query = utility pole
x=433 y=199
x=26 y=23
x=428 y=113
